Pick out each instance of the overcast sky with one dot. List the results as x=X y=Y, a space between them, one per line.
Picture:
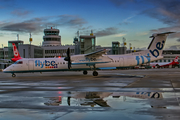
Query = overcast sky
x=110 y=20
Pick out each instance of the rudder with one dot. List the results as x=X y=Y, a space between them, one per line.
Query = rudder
x=157 y=44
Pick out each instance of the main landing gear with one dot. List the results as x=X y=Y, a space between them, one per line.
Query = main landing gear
x=13 y=75
x=95 y=73
x=85 y=72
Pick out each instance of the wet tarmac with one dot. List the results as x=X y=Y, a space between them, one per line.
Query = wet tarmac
x=114 y=94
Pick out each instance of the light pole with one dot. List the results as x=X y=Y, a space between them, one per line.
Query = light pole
x=30 y=40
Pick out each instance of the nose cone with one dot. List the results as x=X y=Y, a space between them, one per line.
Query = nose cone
x=7 y=70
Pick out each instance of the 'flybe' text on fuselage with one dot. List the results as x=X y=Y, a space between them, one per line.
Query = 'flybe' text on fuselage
x=142 y=59
x=45 y=63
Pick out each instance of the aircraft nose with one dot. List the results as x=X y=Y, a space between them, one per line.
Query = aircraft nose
x=6 y=70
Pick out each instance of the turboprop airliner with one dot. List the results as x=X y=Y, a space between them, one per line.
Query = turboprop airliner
x=164 y=64
x=92 y=61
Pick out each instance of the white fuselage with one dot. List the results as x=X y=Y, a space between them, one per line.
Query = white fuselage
x=78 y=63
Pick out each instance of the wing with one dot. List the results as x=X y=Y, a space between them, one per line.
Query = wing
x=97 y=53
x=92 y=58
x=89 y=63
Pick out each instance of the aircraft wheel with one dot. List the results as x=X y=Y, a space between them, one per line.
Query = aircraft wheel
x=95 y=73
x=13 y=75
x=85 y=72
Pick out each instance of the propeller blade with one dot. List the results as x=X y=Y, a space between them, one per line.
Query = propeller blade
x=68 y=52
x=68 y=58
x=69 y=64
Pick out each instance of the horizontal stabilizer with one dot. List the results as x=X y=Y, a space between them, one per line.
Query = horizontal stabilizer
x=161 y=34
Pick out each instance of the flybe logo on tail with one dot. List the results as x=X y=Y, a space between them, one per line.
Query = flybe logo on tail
x=46 y=64
x=159 y=46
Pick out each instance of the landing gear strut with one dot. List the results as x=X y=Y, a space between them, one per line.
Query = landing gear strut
x=85 y=72
x=13 y=75
x=95 y=73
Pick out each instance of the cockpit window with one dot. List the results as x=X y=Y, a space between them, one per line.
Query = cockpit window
x=18 y=62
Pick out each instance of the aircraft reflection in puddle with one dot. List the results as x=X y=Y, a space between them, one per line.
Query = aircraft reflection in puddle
x=97 y=98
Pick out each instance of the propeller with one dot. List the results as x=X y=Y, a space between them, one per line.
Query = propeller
x=68 y=58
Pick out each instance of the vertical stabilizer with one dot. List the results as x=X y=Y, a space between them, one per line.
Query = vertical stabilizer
x=176 y=60
x=157 y=44
x=16 y=53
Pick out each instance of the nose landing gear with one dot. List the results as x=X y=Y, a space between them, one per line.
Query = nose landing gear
x=95 y=73
x=13 y=75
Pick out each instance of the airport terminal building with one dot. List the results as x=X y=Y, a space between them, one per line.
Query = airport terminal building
x=51 y=47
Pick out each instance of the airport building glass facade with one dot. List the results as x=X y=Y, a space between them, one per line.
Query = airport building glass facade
x=1 y=54
x=87 y=44
x=58 y=51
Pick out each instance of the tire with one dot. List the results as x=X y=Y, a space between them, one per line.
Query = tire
x=85 y=72
x=13 y=75
x=95 y=73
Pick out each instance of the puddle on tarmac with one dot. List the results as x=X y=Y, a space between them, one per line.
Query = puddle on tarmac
x=86 y=105
x=101 y=99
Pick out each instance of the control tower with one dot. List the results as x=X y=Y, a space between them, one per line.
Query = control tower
x=51 y=37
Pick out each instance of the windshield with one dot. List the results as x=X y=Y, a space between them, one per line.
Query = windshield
x=18 y=62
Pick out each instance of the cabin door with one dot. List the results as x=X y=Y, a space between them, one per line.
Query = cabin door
x=31 y=64
x=121 y=62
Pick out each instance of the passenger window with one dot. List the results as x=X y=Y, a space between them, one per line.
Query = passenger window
x=63 y=62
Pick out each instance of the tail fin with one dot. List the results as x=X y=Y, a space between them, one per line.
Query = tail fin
x=16 y=54
x=175 y=60
x=15 y=51
x=157 y=44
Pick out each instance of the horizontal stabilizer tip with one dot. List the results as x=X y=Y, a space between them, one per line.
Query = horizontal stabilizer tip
x=161 y=34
